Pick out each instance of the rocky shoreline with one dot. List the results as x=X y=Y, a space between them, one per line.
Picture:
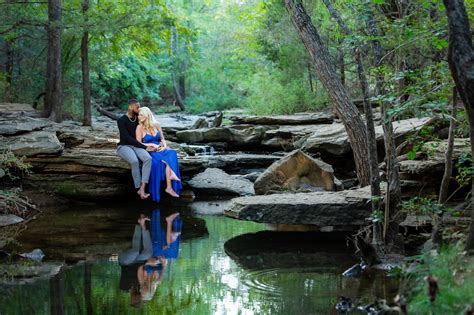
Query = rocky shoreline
x=80 y=162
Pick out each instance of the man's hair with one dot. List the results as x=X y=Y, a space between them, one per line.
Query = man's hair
x=132 y=101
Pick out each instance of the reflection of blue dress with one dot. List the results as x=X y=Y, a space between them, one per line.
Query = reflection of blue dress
x=158 y=168
x=158 y=236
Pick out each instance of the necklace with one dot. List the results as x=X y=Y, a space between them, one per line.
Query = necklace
x=131 y=119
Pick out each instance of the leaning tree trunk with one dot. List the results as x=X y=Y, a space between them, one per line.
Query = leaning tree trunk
x=53 y=98
x=86 y=86
x=345 y=109
x=461 y=63
x=371 y=139
x=393 y=192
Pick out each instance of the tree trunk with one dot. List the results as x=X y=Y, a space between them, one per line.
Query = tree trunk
x=371 y=139
x=53 y=98
x=174 y=56
x=393 y=193
x=448 y=167
x=310 y=76
x=86 y=87
x=8 y=92
x=461 y=63
x=345 y=109
x=437 y=233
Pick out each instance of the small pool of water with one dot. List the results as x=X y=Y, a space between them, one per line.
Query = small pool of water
x=257 y=272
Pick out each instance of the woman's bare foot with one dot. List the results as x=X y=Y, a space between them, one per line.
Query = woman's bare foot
x=171 y=192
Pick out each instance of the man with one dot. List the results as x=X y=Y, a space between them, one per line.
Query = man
x=132 y=151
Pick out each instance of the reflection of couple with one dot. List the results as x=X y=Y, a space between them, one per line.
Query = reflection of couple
x=144 y=264
x=142 y=139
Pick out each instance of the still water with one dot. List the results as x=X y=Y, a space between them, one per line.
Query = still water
x=207 y=265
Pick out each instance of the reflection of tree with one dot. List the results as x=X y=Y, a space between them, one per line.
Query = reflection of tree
x=56 y=289
x=88 y=287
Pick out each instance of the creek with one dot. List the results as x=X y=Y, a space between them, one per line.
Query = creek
x=224 y=266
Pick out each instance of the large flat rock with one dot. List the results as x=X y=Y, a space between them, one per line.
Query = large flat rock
x=32 y=143
x=296 y=119
x=241 y=135
x=343 y=210
x=333 y=138
x=21 y=124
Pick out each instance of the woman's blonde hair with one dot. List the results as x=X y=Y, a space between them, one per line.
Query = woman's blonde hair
x=150 y=123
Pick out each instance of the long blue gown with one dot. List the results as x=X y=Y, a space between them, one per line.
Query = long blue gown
x=158 y=168
x=158 y=236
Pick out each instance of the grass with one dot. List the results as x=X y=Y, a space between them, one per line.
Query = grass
x=454 y=271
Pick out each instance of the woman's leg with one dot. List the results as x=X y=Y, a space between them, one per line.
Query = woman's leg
x=169 y=177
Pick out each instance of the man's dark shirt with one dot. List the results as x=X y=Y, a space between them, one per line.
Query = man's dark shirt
x=127 y=130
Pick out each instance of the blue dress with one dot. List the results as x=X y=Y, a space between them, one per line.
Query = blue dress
x=158 y=236
x=158 y=168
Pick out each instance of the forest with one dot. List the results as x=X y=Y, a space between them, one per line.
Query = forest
x=274 y=74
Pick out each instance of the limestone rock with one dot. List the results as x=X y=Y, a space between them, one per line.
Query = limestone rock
x=333 y=138
x=9 y=219
x=33 y=143
x=15 y=107
x=296 y=119
x=214 y=181
x=12 y=126
x=236 y=135
x=294 y=172
x=343 y=210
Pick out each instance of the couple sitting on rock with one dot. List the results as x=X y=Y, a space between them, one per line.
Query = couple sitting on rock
x=142 y=139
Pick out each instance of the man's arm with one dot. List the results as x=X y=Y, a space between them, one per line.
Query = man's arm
x=128 y=139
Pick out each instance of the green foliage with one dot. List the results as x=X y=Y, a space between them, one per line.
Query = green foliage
x=464 y=169
x=455 y=274
x=11 y=166
x=422 y=205
x=417 y=140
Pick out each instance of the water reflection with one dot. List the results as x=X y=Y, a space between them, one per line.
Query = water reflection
x=144 y=264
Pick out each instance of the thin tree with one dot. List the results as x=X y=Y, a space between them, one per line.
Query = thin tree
x=393 y=192
x=338 y=94
x=86 y=87
x=53 y=96
x=461 y=63
x=436 y=235
x=176 y=68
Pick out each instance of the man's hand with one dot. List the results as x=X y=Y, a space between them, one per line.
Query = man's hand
x=151 y=148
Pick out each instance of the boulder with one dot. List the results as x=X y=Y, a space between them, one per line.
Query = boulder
x=242 y=135
x=295 y=172
x=32 y=143
x=328 y=210
x=296 y=119
x=214 y=181
x=9 y=126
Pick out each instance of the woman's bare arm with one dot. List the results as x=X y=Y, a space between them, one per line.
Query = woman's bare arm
x=163 y=141
x=139 y=133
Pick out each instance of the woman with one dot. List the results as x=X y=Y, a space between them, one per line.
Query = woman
x=164 y=165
